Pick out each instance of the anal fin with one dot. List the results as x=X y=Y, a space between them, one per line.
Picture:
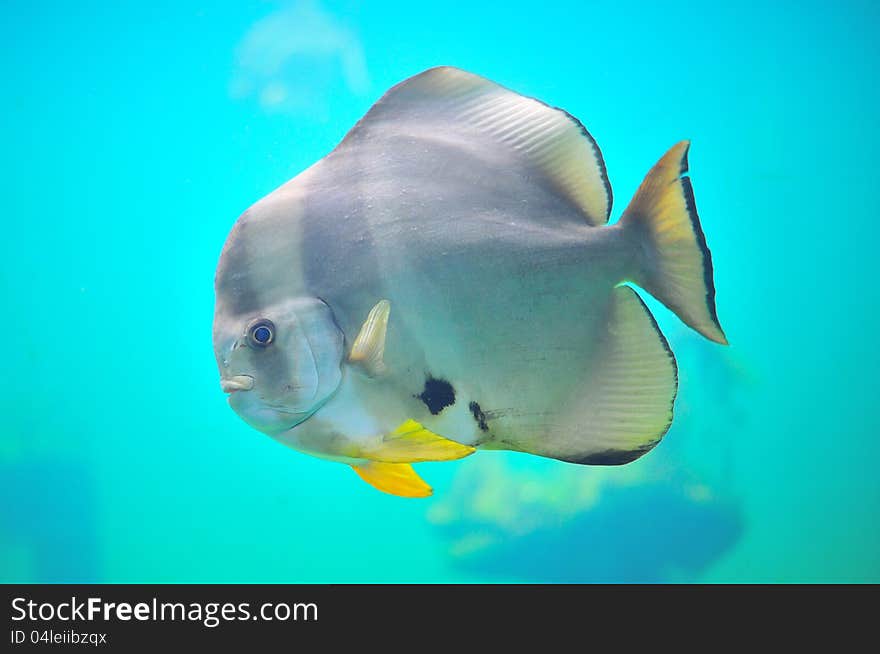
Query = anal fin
x=623 y=405
x=628 y=402
x=393 y=478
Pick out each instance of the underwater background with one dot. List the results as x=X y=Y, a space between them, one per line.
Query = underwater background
x=136 y=133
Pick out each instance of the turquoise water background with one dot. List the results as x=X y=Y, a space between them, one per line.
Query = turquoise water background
x=136 y=133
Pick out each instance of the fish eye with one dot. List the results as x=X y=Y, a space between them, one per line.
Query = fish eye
x=261 y=332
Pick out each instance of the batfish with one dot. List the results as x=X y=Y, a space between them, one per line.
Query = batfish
x=446 y=280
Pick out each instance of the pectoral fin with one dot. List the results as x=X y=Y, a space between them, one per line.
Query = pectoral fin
x=411 y=443
x=368 y=349
x=393 y=478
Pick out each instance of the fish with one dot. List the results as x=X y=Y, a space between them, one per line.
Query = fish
x=446 y=281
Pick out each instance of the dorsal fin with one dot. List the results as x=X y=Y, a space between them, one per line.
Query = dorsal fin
x=451 y=103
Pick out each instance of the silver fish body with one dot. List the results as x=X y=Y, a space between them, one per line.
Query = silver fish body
x=478 y=216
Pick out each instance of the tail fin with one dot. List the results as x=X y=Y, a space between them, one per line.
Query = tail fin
x=675 y=265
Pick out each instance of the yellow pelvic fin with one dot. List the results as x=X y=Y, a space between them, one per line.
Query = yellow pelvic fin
x=369 y=346
x=393 y=478
x=411 y=443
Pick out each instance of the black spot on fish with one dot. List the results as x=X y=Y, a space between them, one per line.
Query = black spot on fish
x=479 y=416
x=438 y=395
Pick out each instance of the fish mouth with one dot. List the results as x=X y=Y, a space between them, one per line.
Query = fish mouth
x=237 y=383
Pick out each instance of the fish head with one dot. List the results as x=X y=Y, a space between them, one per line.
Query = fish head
x=278 y=364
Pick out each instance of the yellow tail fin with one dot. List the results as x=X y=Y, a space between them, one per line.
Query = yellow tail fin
x=675 y=265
